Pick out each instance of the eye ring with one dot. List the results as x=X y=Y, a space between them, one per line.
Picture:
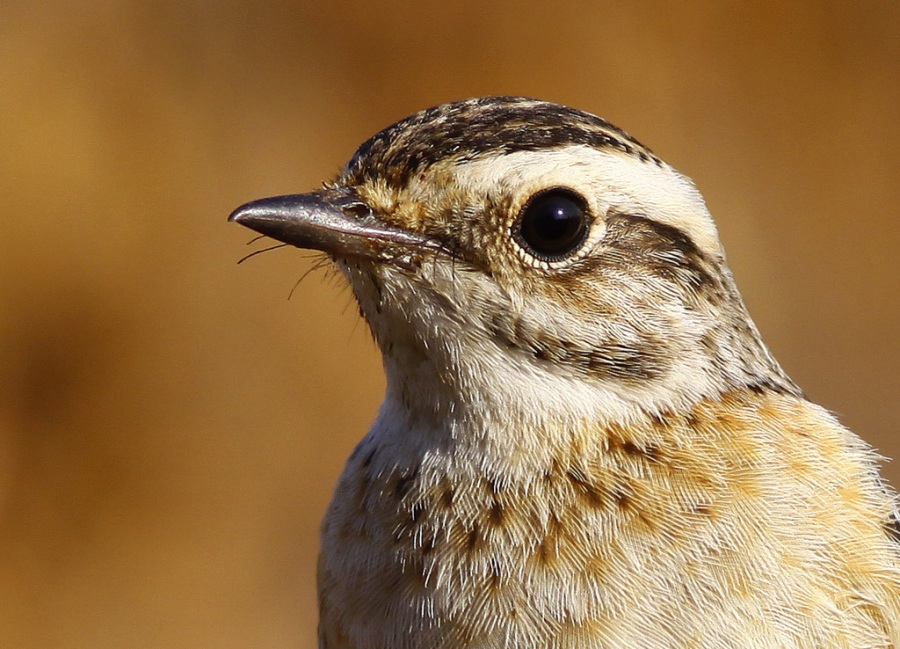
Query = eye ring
x=553 y=224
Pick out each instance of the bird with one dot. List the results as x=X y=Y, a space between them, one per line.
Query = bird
x=584 y=441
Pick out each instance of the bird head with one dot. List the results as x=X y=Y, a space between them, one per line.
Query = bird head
x=519 y=257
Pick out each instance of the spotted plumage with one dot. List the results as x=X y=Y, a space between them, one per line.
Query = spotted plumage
x=584 y=441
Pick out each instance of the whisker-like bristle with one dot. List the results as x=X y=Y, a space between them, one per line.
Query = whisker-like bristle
x=261 y=251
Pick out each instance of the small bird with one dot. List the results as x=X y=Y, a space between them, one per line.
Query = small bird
x=584 y=442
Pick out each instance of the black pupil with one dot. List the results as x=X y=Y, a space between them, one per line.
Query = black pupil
x=553 y=225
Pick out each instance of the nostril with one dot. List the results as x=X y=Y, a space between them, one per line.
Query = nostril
x=358 y=210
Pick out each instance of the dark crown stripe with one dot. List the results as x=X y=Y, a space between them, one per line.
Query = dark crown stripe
x=465 y=129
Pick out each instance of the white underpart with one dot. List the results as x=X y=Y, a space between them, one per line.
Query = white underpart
x=469 y=389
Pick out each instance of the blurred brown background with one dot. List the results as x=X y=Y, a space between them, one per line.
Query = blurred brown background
x=171 y=425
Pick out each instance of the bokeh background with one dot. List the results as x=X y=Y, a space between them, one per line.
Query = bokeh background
x=171 y=425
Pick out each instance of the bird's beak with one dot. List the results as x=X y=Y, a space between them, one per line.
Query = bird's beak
x=335 y=221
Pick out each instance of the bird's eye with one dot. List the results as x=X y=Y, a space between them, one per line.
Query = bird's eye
x=553 y=224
